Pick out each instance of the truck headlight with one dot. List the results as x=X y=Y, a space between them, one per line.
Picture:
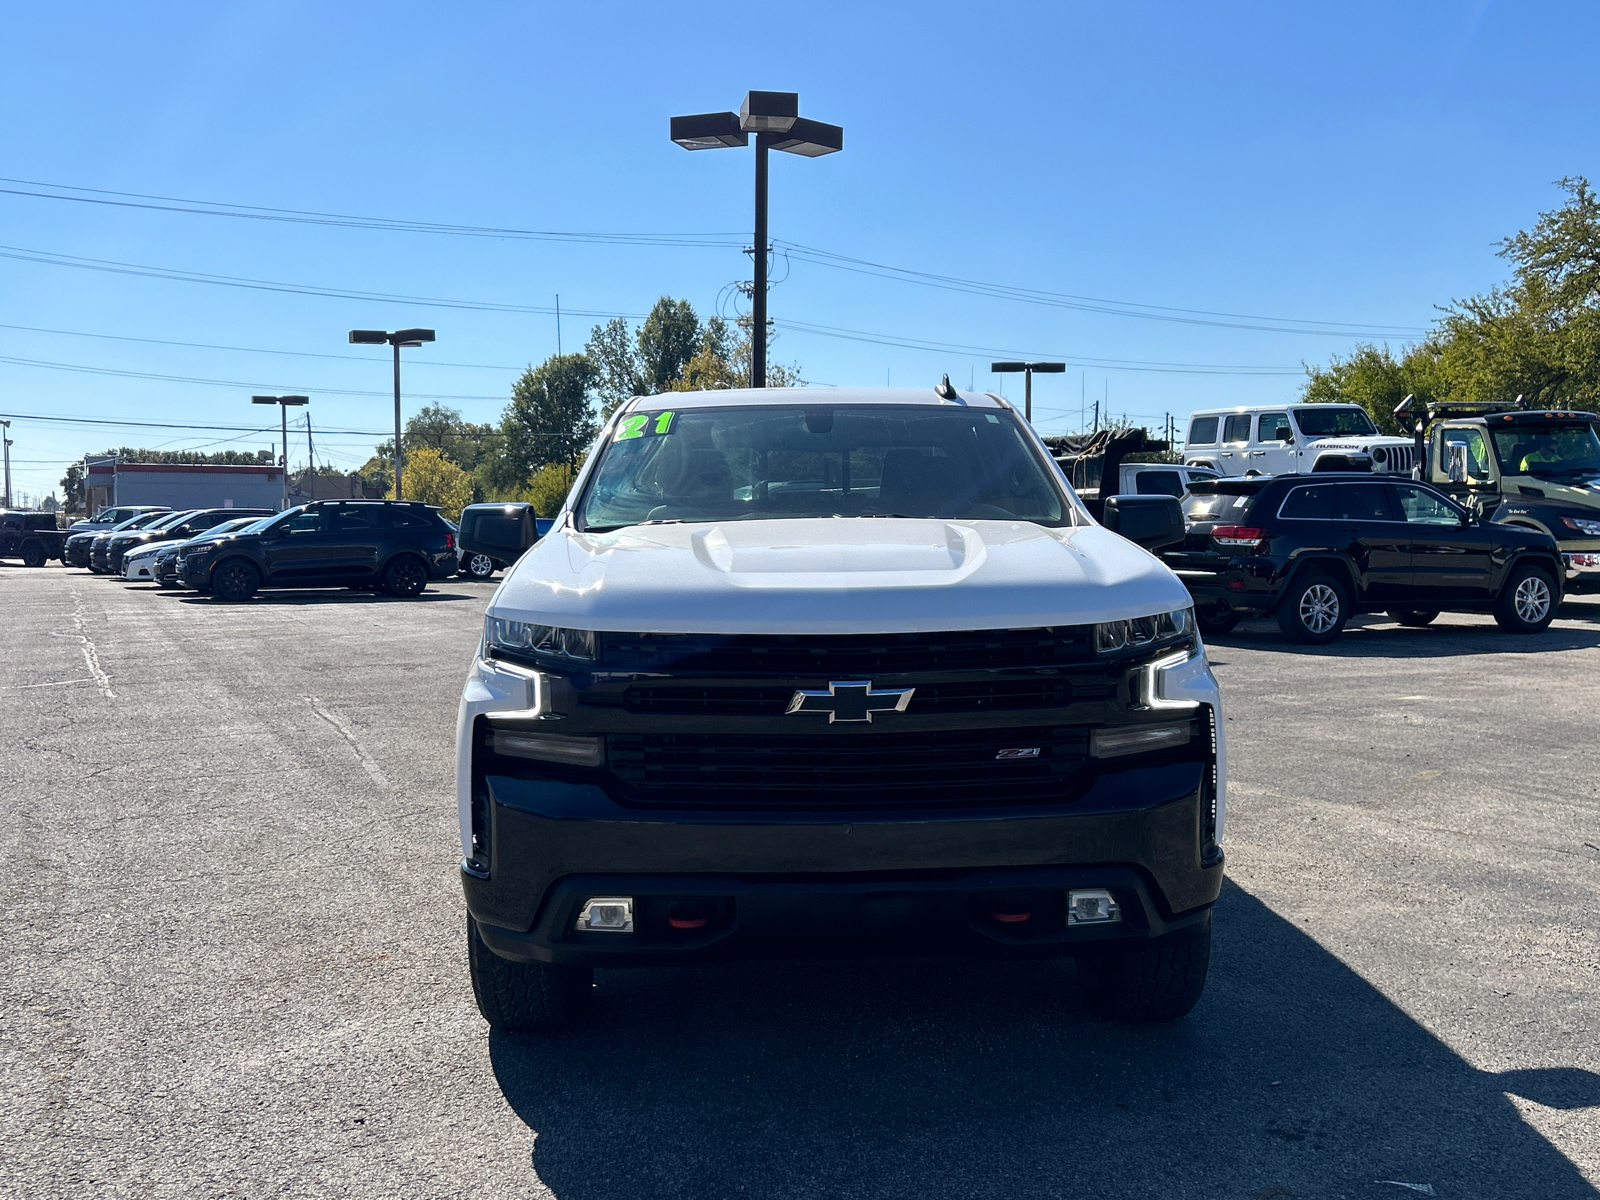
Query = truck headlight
x=1110 y=636
x=1587 y=528
x=538 y=639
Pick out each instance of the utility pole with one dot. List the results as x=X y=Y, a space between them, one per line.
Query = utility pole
x=1097 y=416
x=311 y=457
x=558 y=324
x=5 y=436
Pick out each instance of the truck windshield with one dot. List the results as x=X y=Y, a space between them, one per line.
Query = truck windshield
x=1327 y=421
x=768 y=462
x=1548 y=451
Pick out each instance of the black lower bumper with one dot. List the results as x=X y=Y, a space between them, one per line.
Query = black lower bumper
x=789 y=885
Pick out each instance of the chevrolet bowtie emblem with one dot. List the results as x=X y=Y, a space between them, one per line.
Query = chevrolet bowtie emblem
x=851 y=701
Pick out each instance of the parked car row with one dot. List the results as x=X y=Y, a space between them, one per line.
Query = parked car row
x=388 y=545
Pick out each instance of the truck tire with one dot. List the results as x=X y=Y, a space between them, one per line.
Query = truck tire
x=1527 y=600
x=1314 y=609
x=34 y=554
x=1414 y=618
x=235 y=580
x=1160 y=980
x=478 y=566
x=405 y=577
x=1216 y=621
x=517 y=995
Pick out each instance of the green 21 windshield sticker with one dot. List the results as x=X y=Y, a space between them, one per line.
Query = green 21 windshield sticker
x=646 y=425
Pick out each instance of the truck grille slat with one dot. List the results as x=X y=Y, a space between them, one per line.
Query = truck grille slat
x=847 y=656
x=853 y=771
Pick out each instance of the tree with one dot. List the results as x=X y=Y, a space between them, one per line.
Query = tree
x=462 y=442
x=548 y=489
x=433 y=479
x=72 y=487
x=549 y=419
x=672 y=352
x=1538 y=335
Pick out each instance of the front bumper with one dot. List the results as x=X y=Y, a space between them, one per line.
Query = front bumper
x=879 y=886
x=1582 y=571
x=138 y=570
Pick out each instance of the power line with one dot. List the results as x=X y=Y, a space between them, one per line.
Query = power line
x=253 y=212
x=121 y=424
x=110 y=266
x=1117 y=364
x=1119 y=308
x=229 y=383
x=362 y=358
x=812 y=254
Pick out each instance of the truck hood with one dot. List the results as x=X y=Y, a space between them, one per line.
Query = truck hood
x=835 y=576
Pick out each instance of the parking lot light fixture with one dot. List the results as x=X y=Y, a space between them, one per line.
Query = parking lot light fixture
x=284 y=403
x=399 y=338
x=1027 y=369
x=774 y=117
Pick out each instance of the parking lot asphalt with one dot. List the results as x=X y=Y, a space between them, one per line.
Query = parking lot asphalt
x=233 y=946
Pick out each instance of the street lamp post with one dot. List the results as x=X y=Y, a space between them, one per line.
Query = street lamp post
x=1027 y=369
x=284 y=403
x=774 y=117
x=397 y=339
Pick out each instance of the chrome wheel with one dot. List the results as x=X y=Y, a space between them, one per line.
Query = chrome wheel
x=1319 y=609
x=1532 y=600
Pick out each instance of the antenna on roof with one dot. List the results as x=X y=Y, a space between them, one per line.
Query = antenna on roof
x=946 y=390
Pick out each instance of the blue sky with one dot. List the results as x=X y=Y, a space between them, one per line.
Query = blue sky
x=1317 y=171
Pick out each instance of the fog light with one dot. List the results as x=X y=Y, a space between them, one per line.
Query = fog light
x=550 y=747
x=606 y=914
x=1117 y=740
x=1091 y=906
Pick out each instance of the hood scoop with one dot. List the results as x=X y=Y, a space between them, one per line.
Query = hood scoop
x=893 y=553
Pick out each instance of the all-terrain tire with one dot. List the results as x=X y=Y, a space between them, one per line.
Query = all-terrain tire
x=405 y=577
x=1314 y=608
x=235 y=580
x=1414 y=618
x=34 y=554
x=1527 y=600
x=1160 y=980
x=517 y=995
x=1215 y=624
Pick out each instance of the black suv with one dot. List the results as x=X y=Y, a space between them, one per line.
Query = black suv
x=1315 y=551
x=396 y=545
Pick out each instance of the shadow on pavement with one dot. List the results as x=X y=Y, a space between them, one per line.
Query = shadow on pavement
x=1442 y=639
x=1293 y=1078
x=314 y=596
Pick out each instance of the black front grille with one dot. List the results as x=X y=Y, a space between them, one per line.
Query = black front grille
x=857 y=771
x=1004 y=695
x=852 y=656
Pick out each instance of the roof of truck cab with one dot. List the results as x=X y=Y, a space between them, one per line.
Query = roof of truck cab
x=811 y=396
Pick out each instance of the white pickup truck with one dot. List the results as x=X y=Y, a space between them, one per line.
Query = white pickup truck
x=842 y=673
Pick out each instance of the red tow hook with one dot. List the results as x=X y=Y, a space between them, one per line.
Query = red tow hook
x=1015 y=917
x=687 y=916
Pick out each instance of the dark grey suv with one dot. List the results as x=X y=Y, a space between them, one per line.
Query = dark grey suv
x=397 y=546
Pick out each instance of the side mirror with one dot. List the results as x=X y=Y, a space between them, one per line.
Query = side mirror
x=1286 y=434
x=1148 y=521
x=502 y=531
